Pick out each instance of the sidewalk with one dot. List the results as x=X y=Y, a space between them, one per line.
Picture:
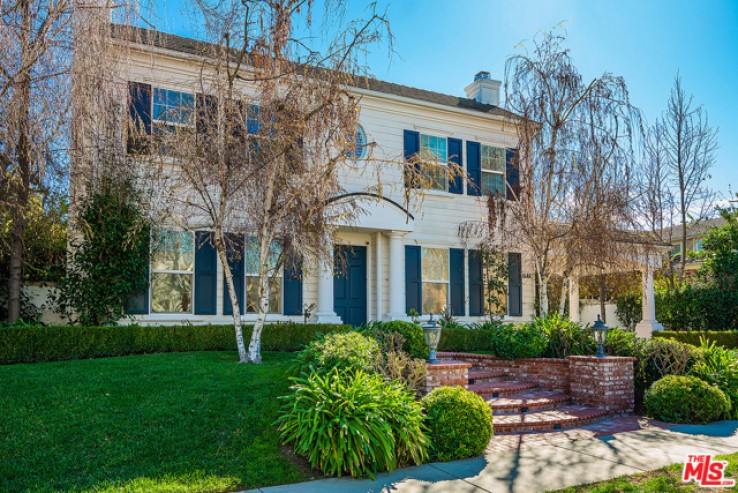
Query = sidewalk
x=543 y=465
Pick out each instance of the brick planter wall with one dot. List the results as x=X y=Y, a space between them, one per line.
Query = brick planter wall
x=447 y=373
x=606 y=383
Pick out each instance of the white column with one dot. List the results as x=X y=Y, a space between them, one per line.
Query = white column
x=648 y=324
x=379 y=274
x=324 y=313
x=574 y=314
x=396 y=277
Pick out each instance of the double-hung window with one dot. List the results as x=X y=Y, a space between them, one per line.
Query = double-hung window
x=434 y=152
x=435 y=272
x=495 y=298
x=172 y=272
x=493 y=171
x=252 y=261
x=172 y=111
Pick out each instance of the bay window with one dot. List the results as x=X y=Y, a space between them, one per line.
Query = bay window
x=435 y=278
x=172 y=272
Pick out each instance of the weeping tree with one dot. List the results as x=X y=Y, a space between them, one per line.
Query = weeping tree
x=264 y=141
x=35 y=62
x=572 y=156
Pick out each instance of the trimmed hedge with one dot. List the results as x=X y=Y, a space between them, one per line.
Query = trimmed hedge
x=679 y=399
x=466 y=340
x=728 y=338
x=56 y=343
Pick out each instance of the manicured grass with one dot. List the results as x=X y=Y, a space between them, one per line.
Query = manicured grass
x=665 y=480
x=181 y=422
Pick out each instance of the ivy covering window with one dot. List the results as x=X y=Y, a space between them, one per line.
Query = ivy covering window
x=172 y=272
x=434 y=150
x=493 y=171
x=252 y=261
x=171 y=110
x=435 y=269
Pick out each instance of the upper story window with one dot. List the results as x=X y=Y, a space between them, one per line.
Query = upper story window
x=435 y=273
x=252 y=259
x=172 y=272
x=434 y=150
x=360 y=144
x=493 y=170
x=173 y=108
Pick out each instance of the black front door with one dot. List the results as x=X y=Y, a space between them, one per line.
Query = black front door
x=349 y=284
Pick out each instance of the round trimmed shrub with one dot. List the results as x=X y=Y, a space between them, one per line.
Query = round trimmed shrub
x=523 y=341
x=346 y=351
x=353 y=423
x=460 y=423
x=412 y=334
x=680 y=399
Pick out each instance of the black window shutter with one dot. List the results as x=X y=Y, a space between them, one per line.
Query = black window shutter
x=454 y=157
x=235 y=254
x=476 y=284
x=206 y=112
x=456 y=278
x=512 y=171
x=139 y=112
x=413 y=279
x=292 y=288
x=515 y=285
x=411 y=143
x=138 y=303
x=474 y=168
x=206 y=273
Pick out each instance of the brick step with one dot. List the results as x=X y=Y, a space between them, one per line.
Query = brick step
x=480 y=376
x=501 y=388
x=564 y=417
x=528 y=401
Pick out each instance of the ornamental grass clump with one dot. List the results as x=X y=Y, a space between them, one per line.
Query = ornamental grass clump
x=353 y=423
x=460 y=423
x=718 y=366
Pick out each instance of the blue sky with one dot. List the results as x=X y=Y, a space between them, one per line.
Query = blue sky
x=440 y=45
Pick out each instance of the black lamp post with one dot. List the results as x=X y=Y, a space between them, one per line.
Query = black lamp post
x=432 y=334
x=600 y=335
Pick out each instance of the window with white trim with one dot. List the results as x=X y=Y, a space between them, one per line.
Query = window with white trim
x=172 y=272
x=493 y=170
x=435 y=276
x=172 y=110
x=434 y=150
x=252 y=261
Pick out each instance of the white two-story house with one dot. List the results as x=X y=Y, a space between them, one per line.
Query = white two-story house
x=398 y=261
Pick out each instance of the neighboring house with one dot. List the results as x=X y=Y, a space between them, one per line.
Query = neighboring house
x=695 y=232
x=398 y=261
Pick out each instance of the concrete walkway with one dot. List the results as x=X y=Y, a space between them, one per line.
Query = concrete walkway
x=543 y=466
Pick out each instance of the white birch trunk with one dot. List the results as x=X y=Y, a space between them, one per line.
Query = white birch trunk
x=562 y=298
x=265 y=275
x=237 y=325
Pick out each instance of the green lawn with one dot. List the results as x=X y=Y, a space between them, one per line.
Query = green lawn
x=665 y=480
x=179 y=422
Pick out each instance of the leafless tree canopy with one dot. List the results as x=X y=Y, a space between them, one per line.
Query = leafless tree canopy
x=575 y=158
x=274 y=126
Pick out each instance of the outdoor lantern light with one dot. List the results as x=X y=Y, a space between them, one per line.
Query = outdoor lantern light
x=600 y=333
x=432 y=333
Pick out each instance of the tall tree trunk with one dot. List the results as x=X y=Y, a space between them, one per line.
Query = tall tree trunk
x=255 y=344
x=22 y=187
x=562 y=296
x=220 y=247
